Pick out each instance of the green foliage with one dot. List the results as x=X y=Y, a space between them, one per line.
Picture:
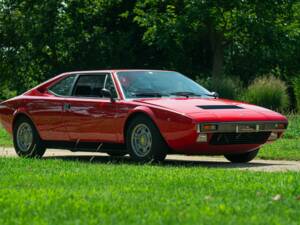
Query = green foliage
x=226 y=86
x=5 y=138
x=296 y=87
x=269 y=92
x=282 y=149
x=286 y=148
x=6 y=92
x=238 y=33
x=39 y=39
x=293 y=130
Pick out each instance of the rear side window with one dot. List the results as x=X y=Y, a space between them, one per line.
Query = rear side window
x=63 y=87
x=92 y=85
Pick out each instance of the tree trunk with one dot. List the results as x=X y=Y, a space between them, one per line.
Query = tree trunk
x=216 y=42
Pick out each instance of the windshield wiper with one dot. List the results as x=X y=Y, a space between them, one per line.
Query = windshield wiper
x=184 y=93
x=147 y=94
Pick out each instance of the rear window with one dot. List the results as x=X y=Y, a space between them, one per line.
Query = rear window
x=63 y=87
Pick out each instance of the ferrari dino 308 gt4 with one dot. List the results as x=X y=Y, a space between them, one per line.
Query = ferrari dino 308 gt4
x=145 y=113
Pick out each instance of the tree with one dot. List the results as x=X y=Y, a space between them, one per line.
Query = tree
x=228 y=26
x=40 y=39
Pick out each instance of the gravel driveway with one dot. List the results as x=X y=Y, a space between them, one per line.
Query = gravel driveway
x=201 y=161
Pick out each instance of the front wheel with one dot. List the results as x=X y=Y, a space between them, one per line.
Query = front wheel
x=117 y=153
x=144 y=141
x=27 y=141
x=242 y=157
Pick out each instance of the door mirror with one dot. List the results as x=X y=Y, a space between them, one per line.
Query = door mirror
x=107 y=93
x=215 y=94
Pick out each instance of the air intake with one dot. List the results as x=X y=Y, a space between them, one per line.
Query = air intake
x=219 y=107
x=234 y=138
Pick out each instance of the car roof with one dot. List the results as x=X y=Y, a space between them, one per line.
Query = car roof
x=115 y=71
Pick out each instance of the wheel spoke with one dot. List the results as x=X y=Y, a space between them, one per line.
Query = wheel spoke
x=141 y=140
x=24 y=137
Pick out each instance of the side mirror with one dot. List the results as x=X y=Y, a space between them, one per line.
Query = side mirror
x=107 y=93
x=215 y=94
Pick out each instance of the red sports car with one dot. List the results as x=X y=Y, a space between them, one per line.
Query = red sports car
x=146 y=113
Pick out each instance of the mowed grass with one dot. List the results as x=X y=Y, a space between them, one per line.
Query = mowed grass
x=73 y=192
x=5 y=138
x=286 y=148
x=293 y=131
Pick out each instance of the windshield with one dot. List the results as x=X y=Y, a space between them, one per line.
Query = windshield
x=140 y=84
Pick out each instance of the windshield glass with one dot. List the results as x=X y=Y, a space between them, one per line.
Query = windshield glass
x=140 y=84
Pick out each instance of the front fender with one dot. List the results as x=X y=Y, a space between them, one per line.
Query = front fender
x=172 y=126
x=142 y=109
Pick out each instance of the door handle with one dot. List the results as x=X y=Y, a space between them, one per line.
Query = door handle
x=67 y=106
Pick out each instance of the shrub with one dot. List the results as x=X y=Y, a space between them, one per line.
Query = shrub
x=225 y=86
x=296 y=87
x=269 y=92
x=6 y=93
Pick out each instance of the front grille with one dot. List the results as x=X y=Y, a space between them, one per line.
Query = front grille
x=239 y=138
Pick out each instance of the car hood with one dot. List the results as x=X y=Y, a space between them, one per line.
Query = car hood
x=210 y=109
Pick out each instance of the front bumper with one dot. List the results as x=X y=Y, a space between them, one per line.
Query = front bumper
x=242 y=127
x=228 y=137
x=240 y=132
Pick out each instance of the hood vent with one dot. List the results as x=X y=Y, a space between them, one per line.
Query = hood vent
x=219 y=107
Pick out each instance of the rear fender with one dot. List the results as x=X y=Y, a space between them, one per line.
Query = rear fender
x=22 y=112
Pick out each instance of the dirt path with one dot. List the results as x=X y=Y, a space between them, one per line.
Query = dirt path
x=201 y=161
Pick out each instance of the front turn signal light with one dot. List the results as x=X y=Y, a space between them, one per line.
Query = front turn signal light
x=280 y=126
x=209 y=127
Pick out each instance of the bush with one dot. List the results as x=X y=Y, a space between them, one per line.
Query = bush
x=269 y=92
x=6 y=93
x=225 y=86
x=296 y=87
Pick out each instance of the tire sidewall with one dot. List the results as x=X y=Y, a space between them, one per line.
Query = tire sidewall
x=36 y=149
x=158 y=146
x=242 y=157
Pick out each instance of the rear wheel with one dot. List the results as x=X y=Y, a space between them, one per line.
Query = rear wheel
x=242 y=157
x=27 y=141
x=144 y=141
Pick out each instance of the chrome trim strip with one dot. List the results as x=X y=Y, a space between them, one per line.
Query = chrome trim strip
x=243 y=127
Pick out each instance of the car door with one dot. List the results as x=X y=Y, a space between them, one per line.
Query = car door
x=88 y=114
x=47 y=111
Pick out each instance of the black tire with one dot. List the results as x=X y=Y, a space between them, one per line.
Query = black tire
x=35 y=148
x=242 y=157
x=156 y=151
x=117 y=153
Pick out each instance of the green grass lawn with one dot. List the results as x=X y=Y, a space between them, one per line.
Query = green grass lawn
x=5 y=138
x=285 y=148
x=288 y=149
x=75 y=192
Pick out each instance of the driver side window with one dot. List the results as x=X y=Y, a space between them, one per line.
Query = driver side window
x=92 y=85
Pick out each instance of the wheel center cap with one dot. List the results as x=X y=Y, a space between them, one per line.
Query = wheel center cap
x=142 y=140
